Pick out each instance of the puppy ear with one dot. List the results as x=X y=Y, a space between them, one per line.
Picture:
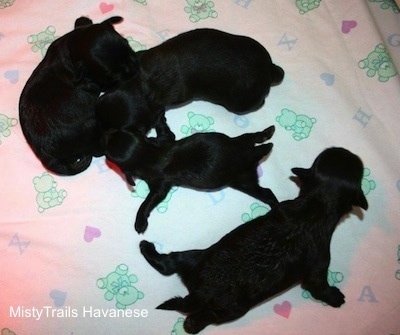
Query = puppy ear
x=360 y=200
x=82 y=22
x=303 y=174
x=113 y=20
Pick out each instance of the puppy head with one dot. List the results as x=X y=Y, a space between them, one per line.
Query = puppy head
x=122 y=147
x=339 y=168
x=101 y=57
x=71 y=150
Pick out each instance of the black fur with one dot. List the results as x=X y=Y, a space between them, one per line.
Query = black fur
x=57 y=104
x=205 y=64
x=204 y=161
x=269 y=254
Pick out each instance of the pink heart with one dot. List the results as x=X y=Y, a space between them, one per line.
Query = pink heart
x=105 y=7
x=348 y=25
x=283 y=309
x=91 y=233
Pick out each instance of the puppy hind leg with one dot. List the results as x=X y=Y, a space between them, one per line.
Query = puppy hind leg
x=197 y=321
x=187 y=304
x=250 y=186
x=317 y=284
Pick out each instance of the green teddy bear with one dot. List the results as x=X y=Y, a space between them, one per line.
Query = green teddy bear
x=135 y=45
x=300 y=124
x=42 y=40
x=6 y=3
x=5 y=124
x=305 y=6
x=256 y=211
x=178 y=327
x=333 y=278
x=388 y=4
x=6 y=331
x=379 y=62
x=142 y=190
x=47 y=196
x=200 y=10
x=198 y=123
x=367 y=185
x=118 y=284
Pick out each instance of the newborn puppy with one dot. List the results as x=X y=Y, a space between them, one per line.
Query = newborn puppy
x=206 y=64
x=57 y=104
x=204 y=161
x=269 y=254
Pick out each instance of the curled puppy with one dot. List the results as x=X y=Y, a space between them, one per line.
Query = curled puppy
x=219 y=161
x=57 y=104
x=269 y=254
x=205 y=64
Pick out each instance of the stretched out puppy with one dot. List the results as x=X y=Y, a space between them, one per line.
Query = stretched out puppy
x=204 y=64
x=57 y=104
x=204 y=161
x=269 y=254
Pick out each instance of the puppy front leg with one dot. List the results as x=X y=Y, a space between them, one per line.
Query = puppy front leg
x=164 y=133
x=316 y=283
x=156 y=195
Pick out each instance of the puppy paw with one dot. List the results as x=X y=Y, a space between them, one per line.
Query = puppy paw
x=334 y=297
x=147 y=248
x=141 y=225
x=191 y=326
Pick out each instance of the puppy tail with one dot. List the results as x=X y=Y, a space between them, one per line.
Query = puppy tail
x=183 y=305
x=277 y=74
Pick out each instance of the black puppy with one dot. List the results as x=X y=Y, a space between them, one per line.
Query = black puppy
x=204 y=161
x=269 y=254
x=205 y=64
x=57 y=104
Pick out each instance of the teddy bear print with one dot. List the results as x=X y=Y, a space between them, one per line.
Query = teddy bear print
x=48 y=196
x=5 y=124
x=333 y=278
x=119 y=285
x=299 y=124
x=198 y=123
x=143 y=2
x=379 y=63
x=6 y=331
x=305 y=6
x=387 y=4
x=256 y=210
x=40 y=42
x=135 y=45
x=367 y=185
x=6 y=3
x=200 y=10
x=142 y=190
x=178 y=327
